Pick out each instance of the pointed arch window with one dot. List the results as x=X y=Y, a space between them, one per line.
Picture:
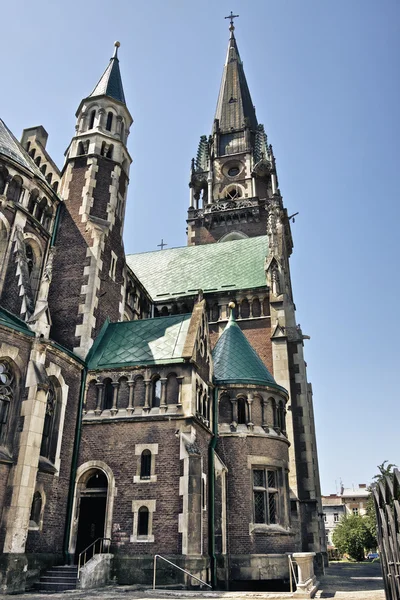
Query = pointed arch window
x=145 y=465
x=108 y=394
x=48 y=446
x=6 y=396
x=109 y=121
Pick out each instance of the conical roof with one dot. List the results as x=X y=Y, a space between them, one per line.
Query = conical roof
x=110 y=83
x=235 y=106
x=236 y=361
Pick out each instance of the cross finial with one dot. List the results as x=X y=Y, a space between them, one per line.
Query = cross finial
x=231 y=17
x=161 y=246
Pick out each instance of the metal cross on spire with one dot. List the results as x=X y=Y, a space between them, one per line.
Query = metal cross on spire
x=231 y=17
x=161 y=246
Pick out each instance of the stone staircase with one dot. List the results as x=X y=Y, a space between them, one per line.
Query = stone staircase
x=58 y=579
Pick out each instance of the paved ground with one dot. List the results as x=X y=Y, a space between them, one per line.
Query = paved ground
x=343 y=581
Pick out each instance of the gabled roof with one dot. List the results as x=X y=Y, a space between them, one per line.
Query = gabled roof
x=223 y=266
x=235 y=105
x=142 y=342
x=11 y=148
x=110 y=83
x=236 y=361
x=14 y=322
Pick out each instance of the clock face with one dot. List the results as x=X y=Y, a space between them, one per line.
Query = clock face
x=233 y=171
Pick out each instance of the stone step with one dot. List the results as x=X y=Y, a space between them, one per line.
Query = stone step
x=49 y=577
x=43 y=586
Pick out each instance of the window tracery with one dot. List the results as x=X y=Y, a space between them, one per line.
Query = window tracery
x=6 y=396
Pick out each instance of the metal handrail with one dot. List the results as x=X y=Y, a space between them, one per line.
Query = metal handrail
x=84 y=552
x=176 y=567
x=292 y=573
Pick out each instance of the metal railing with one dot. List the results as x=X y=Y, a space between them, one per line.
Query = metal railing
x=292 y=573
x=82 y=558
x=176 y=567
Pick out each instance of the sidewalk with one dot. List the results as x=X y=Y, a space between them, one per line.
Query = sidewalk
x=342 y=581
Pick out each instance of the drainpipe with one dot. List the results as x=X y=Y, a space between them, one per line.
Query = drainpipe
x=74 y=463
x=211 y=523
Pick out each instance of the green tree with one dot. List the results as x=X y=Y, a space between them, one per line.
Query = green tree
x=352 y=536
x=385 y=470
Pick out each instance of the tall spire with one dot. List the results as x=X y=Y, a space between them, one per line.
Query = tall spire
x=235 y=108
x=110 y=83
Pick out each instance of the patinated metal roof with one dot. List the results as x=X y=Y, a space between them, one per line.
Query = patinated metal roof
x=142 y=342
x=236 y=361
x=14 y=322
x=234 y=265
x=11 y=148
x=235 y=106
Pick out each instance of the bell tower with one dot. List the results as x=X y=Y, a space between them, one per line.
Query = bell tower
x=89 y=277
x=233 y=177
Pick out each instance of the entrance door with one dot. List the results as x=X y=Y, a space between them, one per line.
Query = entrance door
x=92 y=515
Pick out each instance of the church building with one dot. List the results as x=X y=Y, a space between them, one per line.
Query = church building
x=154 y=403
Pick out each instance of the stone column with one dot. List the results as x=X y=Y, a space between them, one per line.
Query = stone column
x=179 y=403
x=234 y=412
x=264 y=423
x=163 y=398
x=102 y=112
x=147 y=383
x=249 y=402
x=130 y=407
x=114 y=408
x=99 y=405
x=307 y=583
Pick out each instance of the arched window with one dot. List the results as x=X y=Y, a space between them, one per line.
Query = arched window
x=110 y=152
x=55 y=186
x=281 y=417
x=156 y=393
x=14 y=189
x=109 y=121
x=32 y=200
x=49 y=177
x=265 y=306
x=143 y=522
x=40 y=209
x=92 y=118
x=48 y=446
x=233 y=193
x=44 y=169
x=244 y=309
x=140 y=391
x=256 y=308
x=36 y=510
x=6 y=396
x=32 y=153
x=145 y=465
x=30 y=258
x=38 y=161
x=164 y=311
x=97 y=481
x=108 y=394
x=172 y=389
x=81 y=149
x=3 y=179
x=241 y=406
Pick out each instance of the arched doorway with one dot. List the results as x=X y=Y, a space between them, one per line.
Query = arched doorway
x=92 y=509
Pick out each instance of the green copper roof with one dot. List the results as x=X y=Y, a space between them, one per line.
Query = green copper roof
x=110 y=83
x=236 y=361
x=14 y=322
x=142 y=342
x=234 y=265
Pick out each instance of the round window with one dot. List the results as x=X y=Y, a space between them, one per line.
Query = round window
x=233 y=171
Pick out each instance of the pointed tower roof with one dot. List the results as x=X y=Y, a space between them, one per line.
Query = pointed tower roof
x=235 y=106
x=236 y=361
x=110 y=83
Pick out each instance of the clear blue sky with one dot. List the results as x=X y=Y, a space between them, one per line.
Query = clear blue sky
x=324 y=78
